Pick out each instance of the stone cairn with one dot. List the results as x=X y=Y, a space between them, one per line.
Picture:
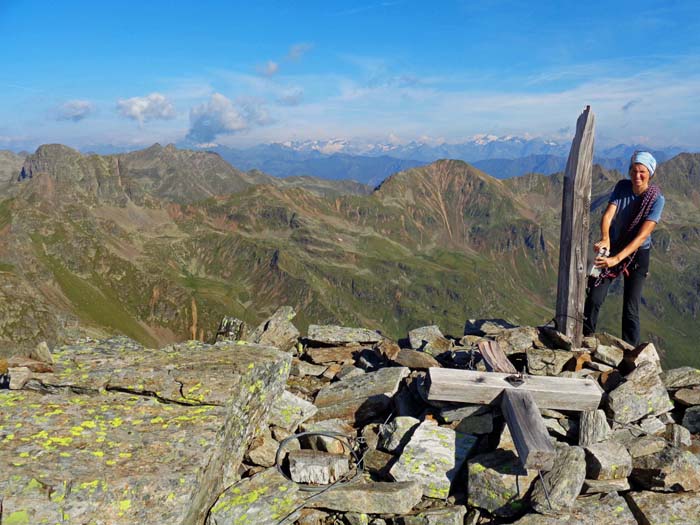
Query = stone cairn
x=339 y=430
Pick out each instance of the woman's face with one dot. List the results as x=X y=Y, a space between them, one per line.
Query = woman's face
x=639 y=175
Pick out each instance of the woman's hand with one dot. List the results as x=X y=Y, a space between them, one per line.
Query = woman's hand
x=603 y=243
x=606 y=262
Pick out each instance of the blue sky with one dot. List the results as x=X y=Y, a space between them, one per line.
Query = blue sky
x=240 y=73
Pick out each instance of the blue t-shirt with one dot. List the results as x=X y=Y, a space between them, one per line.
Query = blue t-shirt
x=627 y=204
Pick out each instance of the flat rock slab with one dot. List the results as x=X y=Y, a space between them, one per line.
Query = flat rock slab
x=318 y=468
x=683 y=377
x=608 y=460
x=278 y=330
x=371 y=498
x=563 y=482
x=106 y=448
x=302 y=368
x=688 y=396
x=325 y=355
x=433 y=457
x=267 y=497
x=691 y=419
x=655 y=507
x=645 y=445
x=341 y=335
x=605 y=486
x=670 y=470
x=547 y=362
x=643 y=394
x=497 y=483
x=608 y=509
x=359 y=398
x=290 y=411
x=609 y=355
x=415 y=359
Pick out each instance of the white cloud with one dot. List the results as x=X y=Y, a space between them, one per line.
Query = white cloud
x=220 y=116
x=74 y=110
x=298 y=50
x=291 y=97
x=143 y=109
x=269 y=68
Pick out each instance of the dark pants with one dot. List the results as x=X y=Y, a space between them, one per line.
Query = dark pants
x=634 y=282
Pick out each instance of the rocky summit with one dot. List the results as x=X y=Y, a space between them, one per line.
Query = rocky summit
x=335 y=426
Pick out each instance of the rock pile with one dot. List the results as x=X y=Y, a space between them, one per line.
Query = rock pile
x=336 y=427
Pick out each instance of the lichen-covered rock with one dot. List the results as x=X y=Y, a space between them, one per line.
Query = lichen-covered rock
x=656 y=507
x=433 y=456
x=609 y=355
x=563 y=482
x=394 y=435
x=341 y=335
x=519 y=340
x=597 y=509
x=607 y=460
x=429 y=339
x=371 y=498
x=267 y=497
x=125 y=434
x=290 y=411
x=498 y=483
x=683 y=377
x=593 y=427
x=670 y=470
x=278 y=330
x=643 y=394
x=547 y=362
x=359 y=398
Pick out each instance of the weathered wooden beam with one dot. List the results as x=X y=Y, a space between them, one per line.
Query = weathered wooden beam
x=469 y=386
x=527 y=428
x=495 y=359
x=575 y=219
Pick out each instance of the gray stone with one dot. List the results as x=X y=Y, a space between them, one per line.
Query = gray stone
x=278 y=330
x=302 y=368
x=677 y=435
x=643 y=394
x=596 y=509
x=377 y=462
x=451 y=414
x=349 y=371
x=314 y=517
x=683 y=377
x=645 y=445
x=436 y=516
x=360 y=398
x=659 y=508
x=370 y=435
x=96 y=435
x=609 y=355
x=598 y=367
x=519 y=340
x=41 y=353
x=611 y=340
x=371 y=498
x=691 y=419
x=231 y=329
x=605 y=486
x=652 y=425
x=425 y=336
x=670 y=470
x=607 y=460
x=318 y=468
x=333 y=354
x=476 y=424
x=498 y=483
x=262 y=450
x=267 y=497
x=590 y=342
x=433 y=457
x=547 y=362
x=554 y=427
x=563 y=482
x=644 y=353
x=342 y=335
x=487 y=327
x=593 y=427
x=395 y=434
x=555 y=339
x=290 y=411
x=336 y=443
x=688 y=396
x=415 y=359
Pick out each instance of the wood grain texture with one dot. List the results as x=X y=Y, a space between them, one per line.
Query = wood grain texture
x=495 y=358
x=575 y=222
x=527 y=429
x=468 y=386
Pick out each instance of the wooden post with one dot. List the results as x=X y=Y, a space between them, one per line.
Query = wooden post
x=575 y=220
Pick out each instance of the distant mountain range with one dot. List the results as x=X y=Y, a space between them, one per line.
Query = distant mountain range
x=159 y=244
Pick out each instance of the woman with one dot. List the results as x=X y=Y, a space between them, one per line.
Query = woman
x=634 y=209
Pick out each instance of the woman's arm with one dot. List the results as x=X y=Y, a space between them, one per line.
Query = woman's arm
x=605 y=223
x=644 y=232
